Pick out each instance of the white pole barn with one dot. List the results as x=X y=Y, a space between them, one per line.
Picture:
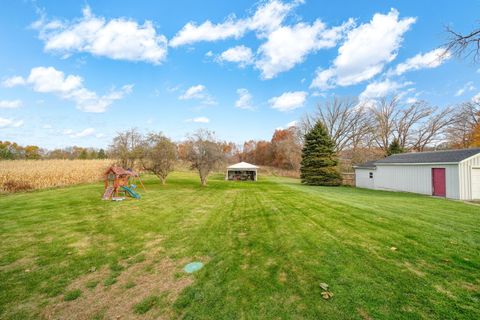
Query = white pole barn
x=453 y=174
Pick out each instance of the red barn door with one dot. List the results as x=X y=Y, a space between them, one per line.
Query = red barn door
x=439 y=188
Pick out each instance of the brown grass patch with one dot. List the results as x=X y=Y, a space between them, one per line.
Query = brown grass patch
x=282 y=277
x=441 y=289
x=414 y=270
x=471 y=287
x=151 y=275
x=364 y=314
x=26 y=263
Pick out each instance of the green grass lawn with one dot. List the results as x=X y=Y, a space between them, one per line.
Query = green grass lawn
x=266 y=247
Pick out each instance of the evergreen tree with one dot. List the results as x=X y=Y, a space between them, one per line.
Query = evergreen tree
x=394 y=148
x=319 y=160
x=101 y=154
x=83 y=154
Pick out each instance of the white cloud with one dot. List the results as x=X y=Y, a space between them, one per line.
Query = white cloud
x=13 y=81
x=292 y=124
x=10 y=104
x=194 y=92
x=244 y=100
x=198 y=92
x=411 y=100
x=207 y=31
x=17 y=124
x=70 y=87
x=428 y=60
x=476 y=98
x=289 y=45
x=266 y=18
x=284 y=46
x=466 y=88
x=365 y=51
x=46 y=126
x=119 y=39
x=85 y=133
x=199 y=120
x=4 y=122
x=380 y=89
x=80 y=134
x=239 y=54
x=288 y=101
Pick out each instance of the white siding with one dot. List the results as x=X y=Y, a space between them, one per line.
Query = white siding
x=416 y=178
x=475 y=183
x=362 y=178
x=465 y=172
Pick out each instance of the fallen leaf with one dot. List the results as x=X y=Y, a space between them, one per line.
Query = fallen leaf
x=393 y=248
x=327 y=295
x=324 y=286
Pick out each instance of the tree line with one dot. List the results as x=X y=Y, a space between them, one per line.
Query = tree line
x=13 y=151
x=358 y=131
x=364 y=131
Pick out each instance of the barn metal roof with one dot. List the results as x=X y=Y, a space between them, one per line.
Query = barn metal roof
x=445 y=156
x=366 y=165
x=242 y=165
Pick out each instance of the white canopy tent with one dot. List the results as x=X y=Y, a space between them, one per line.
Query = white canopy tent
x=242 y=171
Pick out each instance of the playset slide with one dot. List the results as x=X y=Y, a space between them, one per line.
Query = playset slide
x=108 y=193
x=132 y=193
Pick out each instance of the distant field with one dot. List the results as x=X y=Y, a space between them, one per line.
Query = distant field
x=21 y=175
x=267 y=247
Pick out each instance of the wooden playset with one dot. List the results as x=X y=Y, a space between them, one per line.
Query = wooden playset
x=117 y=181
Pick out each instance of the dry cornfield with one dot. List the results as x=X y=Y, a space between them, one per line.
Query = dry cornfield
x=22 y=175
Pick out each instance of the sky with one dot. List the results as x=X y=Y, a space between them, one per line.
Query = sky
x=76 y=73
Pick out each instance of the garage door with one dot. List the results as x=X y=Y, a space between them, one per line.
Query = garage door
x=476 y=183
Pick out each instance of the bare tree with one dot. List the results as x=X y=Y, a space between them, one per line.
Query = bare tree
x=127 y=147
x=205 y=153
x=385 y=114
x=408 y=120
x=464 y=45
x=433 y=130
x=414 y=127
x=159 y=155
x=345 y=119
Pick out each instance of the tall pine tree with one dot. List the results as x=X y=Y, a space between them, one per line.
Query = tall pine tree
x=319 y=160
x=394 y=148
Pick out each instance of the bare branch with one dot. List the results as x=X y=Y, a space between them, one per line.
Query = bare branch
x=464 y=45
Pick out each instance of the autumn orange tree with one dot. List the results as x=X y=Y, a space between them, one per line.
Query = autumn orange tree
x=476 y=136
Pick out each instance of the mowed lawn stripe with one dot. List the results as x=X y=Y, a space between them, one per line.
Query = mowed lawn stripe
x=266 y=246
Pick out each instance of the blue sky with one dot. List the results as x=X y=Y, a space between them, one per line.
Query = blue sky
x=75 y=73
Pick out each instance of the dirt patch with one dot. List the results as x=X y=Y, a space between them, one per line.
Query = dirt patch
x=153 y=274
